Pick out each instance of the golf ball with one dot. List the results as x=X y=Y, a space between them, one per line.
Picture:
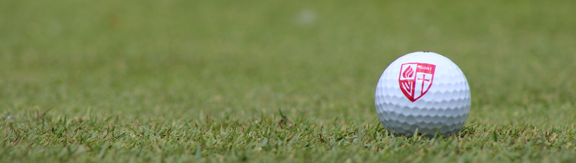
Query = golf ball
x=424 y=91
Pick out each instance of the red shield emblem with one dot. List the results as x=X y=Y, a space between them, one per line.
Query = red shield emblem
x=416 y=79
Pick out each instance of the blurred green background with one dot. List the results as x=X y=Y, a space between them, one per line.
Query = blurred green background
x=175 y=60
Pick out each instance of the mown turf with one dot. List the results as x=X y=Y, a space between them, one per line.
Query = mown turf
x=185 y=81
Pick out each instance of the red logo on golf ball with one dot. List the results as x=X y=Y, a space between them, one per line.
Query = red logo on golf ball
x=416 y=79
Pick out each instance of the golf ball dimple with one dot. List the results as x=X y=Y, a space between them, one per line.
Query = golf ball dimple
x=424 y=91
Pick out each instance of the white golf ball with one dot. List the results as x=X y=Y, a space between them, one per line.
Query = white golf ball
x=424 y=91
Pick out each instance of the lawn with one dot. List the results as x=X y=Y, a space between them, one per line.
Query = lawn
x=276 y=81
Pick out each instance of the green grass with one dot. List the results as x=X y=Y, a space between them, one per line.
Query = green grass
x=204 y=81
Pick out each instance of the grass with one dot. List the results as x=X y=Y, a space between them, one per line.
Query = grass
x=192 y=81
